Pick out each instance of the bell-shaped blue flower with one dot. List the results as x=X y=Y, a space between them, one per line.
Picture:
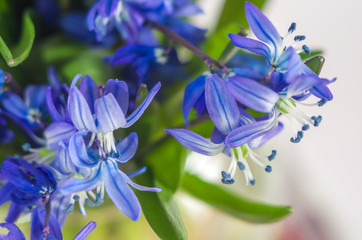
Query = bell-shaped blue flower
x=236 y=133
x=270 y=44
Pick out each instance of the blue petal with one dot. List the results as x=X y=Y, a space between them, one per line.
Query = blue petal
x=136 y=114
x=109 y=114
x=74 y=185
x=245 y=117
x=5 y=192
x=14 y=105
x=35 y=96
x=260 y=141
x=322 y=91
x=127 y=148
x=58 y=131
x=195 y=142
x=251 y=45
x=252 y=94
x=78 y=152
x=79 y=111
x=301 y=84
x=53 y=79
x=54 y=113
x=36 y=226
x=291 y=63
x=63 y=161
x=263 y=29
x=193 y=92
x=137 y=186
x=84 y=233
x=217 y=137
x=60 y=204
x=118 y=190
x=249 y=132
x=187 y=10
x=139 y=171
x=221 y=106
x=14 y=212
x=14 y=232
x=89 y=89
x=119 y=89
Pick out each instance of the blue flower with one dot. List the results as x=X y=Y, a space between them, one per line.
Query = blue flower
x=236 y=133
x=129 y=18
x=142 y=58
x=271 y=45
x=289 y=89
x=107 y=106
x=105 y=175
x=14 y=233
x=32 y=110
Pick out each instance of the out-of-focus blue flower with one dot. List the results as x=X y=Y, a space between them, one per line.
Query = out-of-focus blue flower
x=142 y=57
x=26 y=183
x=6 y=135
x=247 y=132
x=271 y=45
x=32 y=110
x=14 y=233
x=130 y=16
x=105 y=177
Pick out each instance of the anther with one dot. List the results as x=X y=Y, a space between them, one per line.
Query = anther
x=292 y=27
x=317 y=120
x=300 y=134
x=305 y=127
x=225 y=175
x=76 y=198
x=306 y=49
x=26 y=147
x=299 y=38
x=241 y=166
x=322 y=102
x=272 y=155
x=295 y=140
x=268 y=169
x=252 y=182
x=228 y=181
x=70 y=208
x=89 y=202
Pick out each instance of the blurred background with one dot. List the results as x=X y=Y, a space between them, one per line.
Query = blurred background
x=319 y=177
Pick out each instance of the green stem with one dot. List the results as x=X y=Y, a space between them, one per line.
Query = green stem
x=182 y=41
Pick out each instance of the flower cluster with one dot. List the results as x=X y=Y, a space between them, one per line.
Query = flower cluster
x=274 y=88
x=77 y=159
x=77 y=139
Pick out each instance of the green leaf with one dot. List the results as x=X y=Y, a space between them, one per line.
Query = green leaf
x=161 y=211
x=167 y=162
x=233 y=204
x=21 y=51
x=234 y=12
x=304 y=56
x=316 y=64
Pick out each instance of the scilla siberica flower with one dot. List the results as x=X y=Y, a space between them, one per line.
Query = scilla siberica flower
x=271 y=45
x=289 y=89
x=86 y=145
x=228 y=117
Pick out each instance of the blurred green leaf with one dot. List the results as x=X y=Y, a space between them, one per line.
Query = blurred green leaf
x=219 y=40
x=20 y=51
x=161 y=211
x=89 y=63
x=233 y=204
x=315 y=64
x=234 y=12
x=167 y=162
